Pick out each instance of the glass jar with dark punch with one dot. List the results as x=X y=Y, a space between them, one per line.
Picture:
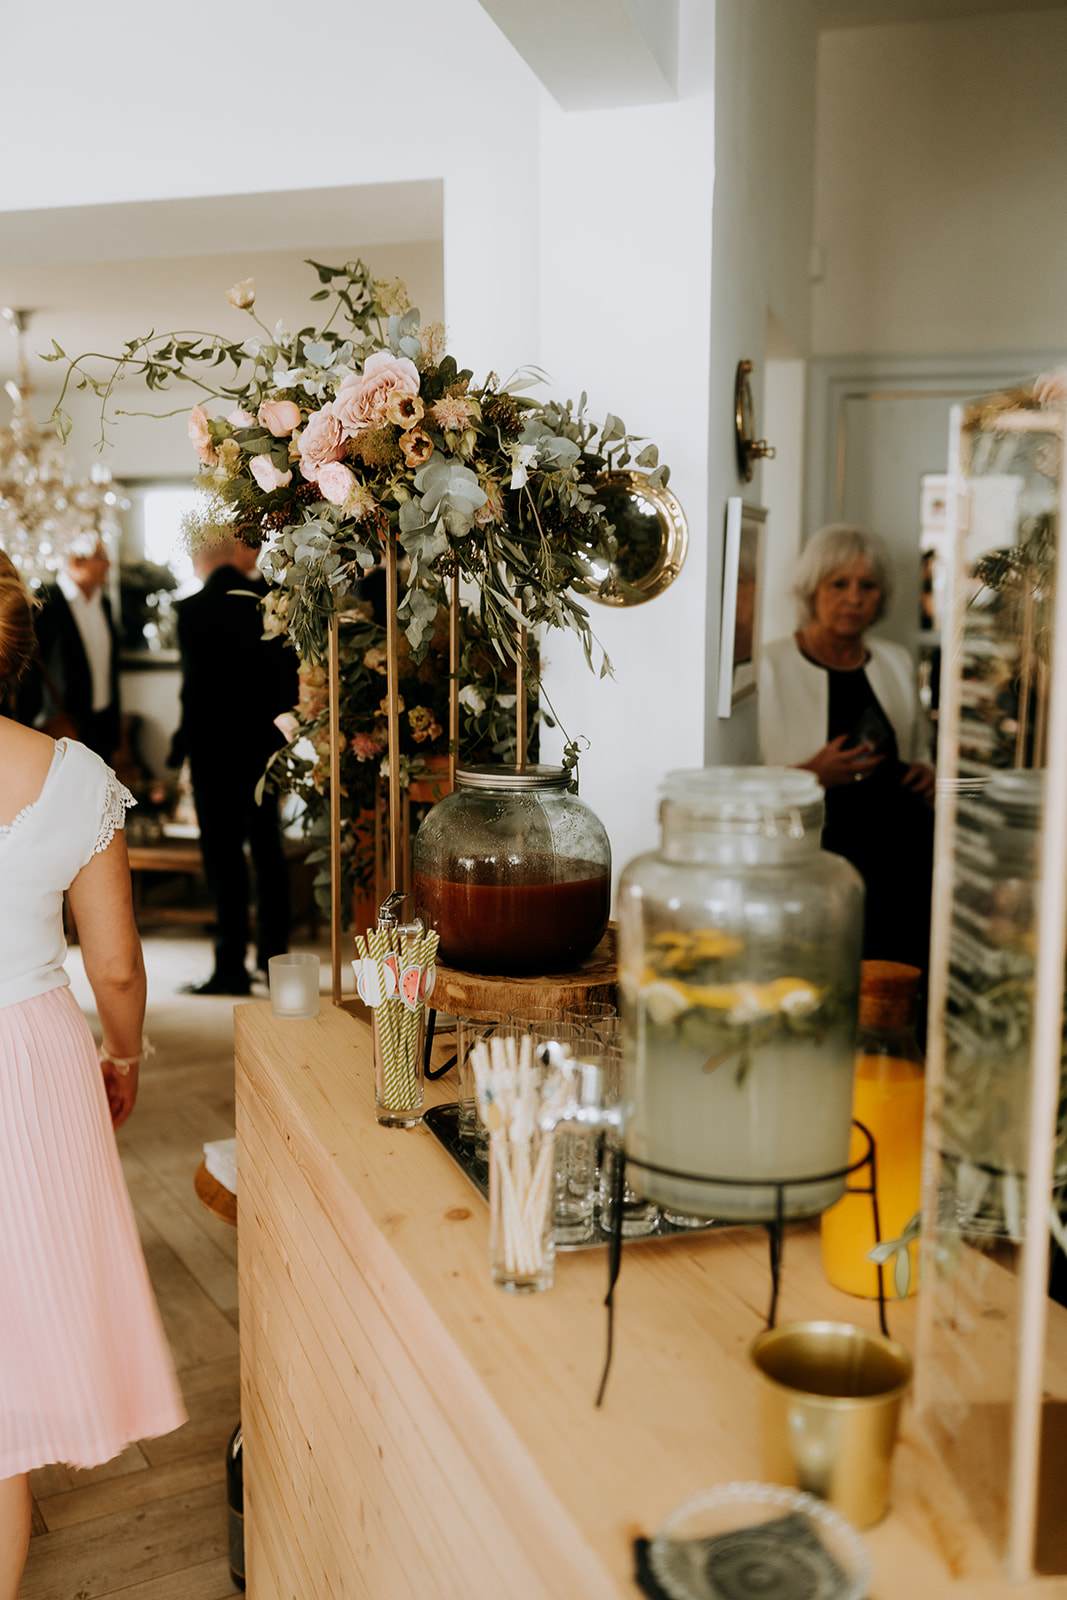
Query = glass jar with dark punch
x=513 y=870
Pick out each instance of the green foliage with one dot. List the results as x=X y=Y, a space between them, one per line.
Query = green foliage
x=479 y=479
x=487 y=726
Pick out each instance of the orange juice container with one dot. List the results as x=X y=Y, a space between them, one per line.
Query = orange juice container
x=888 y=1101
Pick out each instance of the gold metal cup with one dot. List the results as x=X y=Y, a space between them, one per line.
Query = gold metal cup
x=830 y=1398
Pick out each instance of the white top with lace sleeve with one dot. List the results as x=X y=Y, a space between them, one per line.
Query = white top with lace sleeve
x=80 y=808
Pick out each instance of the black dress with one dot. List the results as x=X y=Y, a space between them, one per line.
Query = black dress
x=885 y=830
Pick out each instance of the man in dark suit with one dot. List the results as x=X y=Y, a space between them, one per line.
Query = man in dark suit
x=73 y=687
x=234 y=684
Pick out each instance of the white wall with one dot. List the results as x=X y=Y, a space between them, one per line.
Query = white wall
x=626 y=199
x=941 y=197
x=764 y=142
x=783 y=485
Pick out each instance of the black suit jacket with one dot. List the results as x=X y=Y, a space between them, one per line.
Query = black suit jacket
x=66 y=678
x=234 y=682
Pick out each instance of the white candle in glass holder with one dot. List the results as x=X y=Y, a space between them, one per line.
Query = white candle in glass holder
x=294 y=985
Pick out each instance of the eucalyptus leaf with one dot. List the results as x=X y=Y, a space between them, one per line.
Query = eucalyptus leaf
x=412 y=517
x=318 y=352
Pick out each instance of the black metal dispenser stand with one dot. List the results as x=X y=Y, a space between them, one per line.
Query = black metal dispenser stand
x=775 y=1228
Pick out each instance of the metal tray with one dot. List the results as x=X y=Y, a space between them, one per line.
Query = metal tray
x=443 y=1123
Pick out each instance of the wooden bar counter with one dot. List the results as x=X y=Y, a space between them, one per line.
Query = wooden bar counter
x=413 y=1433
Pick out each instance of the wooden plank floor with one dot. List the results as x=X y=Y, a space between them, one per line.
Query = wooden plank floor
x=151 y=1525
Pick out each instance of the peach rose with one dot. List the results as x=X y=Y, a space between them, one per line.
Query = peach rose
x=279 y=417
x=200 y=434
x=240 y=418
x=363 y=397
x=322 y=441
x=267 y=474
x=417 y=447
x=336 y=482
x=243 y=294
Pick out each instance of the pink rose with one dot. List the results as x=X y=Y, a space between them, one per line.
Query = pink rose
x=364 y=746
x=267 y=475
x=240 y=418
x=336 y=482
x=363 y=397
x=200 y=434
x=322 y=441
x=279 y=417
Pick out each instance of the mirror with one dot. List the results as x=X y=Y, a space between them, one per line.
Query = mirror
x=652 y=537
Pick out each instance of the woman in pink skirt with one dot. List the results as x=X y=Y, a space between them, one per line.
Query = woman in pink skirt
x=84 y=1364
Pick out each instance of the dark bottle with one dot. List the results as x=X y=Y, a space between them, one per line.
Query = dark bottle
x=235 y=1502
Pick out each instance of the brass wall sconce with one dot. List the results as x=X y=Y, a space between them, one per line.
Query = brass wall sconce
x=749 y=448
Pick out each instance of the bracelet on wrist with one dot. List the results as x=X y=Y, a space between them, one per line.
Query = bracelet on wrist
x=124 y=1065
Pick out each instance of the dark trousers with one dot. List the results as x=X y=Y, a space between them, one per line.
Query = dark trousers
x=228 y=818
x=99 y=730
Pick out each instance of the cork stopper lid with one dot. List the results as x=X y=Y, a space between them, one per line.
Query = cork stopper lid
x=887 y=994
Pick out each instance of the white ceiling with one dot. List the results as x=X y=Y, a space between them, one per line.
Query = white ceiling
x=96 y=276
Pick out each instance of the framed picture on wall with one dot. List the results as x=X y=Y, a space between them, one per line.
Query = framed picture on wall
x=742 y=587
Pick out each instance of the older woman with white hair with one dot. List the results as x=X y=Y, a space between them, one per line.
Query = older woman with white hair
x=845 y=707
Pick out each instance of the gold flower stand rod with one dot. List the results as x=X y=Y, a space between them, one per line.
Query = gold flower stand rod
x=398 y=832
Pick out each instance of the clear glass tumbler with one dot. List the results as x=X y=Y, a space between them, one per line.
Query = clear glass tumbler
x=471 y=1031
x=639 y=1216
x=574 y=1179
x=521 y=1245
x=399 y=1037
x=519 y=1101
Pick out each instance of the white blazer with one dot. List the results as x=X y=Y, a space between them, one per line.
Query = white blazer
x=794 y=702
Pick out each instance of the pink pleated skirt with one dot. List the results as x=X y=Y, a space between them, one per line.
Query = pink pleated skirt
x=84 y=1364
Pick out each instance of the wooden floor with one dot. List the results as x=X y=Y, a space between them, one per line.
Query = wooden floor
x=151 y=1525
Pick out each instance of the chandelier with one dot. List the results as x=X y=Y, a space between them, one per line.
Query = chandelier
x=47 y=513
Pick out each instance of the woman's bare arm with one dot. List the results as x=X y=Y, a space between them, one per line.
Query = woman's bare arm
x=102 y=902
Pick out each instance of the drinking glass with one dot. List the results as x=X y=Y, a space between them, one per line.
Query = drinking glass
x=598 y=1020
x=399 y=1086
x=574 y=1176
x=469 y=1032
x=639 y=1216
x=519 y=1100
x=521 y=1244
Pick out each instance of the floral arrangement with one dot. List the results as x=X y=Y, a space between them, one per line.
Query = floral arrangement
x=336 y=441
x=339 y=439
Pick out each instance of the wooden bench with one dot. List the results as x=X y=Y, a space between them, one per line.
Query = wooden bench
x=182 y=858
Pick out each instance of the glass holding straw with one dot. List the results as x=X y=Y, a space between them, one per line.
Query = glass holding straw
x=519 y=1100
x=393 y=976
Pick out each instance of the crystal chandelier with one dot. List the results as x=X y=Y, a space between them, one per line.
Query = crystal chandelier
x=47 y=513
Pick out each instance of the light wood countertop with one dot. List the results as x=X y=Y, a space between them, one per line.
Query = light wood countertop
x=412 y=1430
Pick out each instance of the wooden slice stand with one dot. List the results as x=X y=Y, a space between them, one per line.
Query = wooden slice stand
x=215 y=1195
x=476 y=994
